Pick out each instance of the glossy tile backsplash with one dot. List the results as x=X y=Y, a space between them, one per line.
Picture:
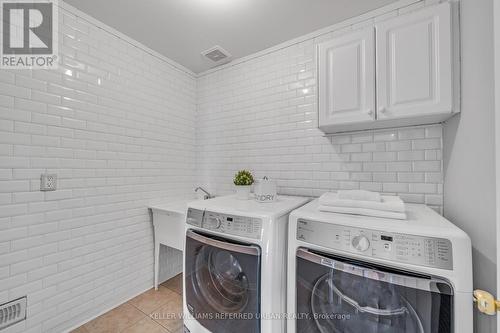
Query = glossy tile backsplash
x=116 y=125
x=261 y=115
x=121 y=127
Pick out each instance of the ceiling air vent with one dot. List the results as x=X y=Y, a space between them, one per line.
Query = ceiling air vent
x=217 y=54
x=12 y=312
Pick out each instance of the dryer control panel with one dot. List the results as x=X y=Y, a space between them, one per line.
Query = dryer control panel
x=398 y=247
x=243 y=226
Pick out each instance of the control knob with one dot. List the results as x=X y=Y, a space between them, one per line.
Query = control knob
x=214 y=223
x=361 y=243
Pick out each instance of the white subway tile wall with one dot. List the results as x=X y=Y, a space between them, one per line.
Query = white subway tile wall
x=121 y=128
x=117 y=125
x=261 y=115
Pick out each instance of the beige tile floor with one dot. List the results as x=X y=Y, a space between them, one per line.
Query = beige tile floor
x=155 y=311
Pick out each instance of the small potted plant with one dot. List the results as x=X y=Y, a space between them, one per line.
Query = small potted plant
x=243 y=181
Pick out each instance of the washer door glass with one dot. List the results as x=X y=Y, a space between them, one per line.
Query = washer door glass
x=221 y=279
x=222 y=282
x=344 y=296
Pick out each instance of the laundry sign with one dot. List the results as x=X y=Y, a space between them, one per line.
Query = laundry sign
x=29 y=33
x=265 y=190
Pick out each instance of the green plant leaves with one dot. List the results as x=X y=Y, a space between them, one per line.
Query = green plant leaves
x=243 y=178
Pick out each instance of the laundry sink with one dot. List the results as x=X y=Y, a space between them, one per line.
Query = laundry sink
x=168 y=225
x=168 y=221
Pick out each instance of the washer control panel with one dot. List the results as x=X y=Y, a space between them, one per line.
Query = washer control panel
x=243 y=226
x=195 y=217
x=404 y=248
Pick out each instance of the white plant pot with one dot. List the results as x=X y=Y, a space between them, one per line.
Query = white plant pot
x=243 y=192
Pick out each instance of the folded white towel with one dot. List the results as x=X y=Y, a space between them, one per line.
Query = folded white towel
x=359 y=195
x=363 y=211
x=388 y=203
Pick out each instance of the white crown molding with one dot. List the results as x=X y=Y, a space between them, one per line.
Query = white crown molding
x=78 y=13
x=315 y=34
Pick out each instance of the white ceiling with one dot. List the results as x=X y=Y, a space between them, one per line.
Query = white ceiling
x=182 y=29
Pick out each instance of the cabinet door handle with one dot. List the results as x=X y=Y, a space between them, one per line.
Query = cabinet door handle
x=369 y=112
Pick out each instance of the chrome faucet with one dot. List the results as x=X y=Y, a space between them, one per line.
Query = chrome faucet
x=207 y=194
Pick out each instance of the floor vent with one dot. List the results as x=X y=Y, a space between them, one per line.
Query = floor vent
x=12 y=312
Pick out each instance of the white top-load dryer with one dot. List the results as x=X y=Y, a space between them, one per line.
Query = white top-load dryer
x=235 y=265
x=358 y=274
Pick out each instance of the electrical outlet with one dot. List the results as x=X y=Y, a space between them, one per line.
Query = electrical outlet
x=48 y=182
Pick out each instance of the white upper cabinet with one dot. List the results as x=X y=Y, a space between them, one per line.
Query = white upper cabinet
x=406 y=64
x=347 y=79
x=414 y=64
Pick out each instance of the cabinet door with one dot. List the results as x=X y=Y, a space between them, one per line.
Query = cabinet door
x=414 y=64
x=347 y=79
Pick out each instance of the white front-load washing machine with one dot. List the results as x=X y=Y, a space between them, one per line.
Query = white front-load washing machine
x=357 y=274
x=235 y=265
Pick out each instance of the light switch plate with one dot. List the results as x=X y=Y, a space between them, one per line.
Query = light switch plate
x=48 y=182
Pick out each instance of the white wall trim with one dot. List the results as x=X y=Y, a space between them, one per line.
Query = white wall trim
x=91 y=20
x=315 y=34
